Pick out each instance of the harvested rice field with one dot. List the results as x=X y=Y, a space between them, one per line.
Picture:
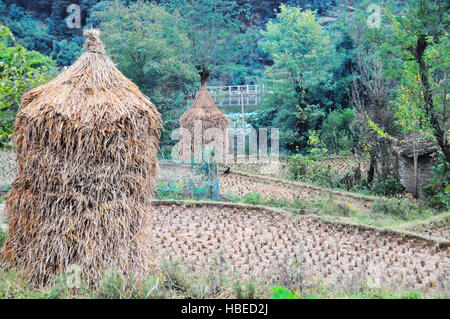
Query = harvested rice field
x=254 y=242
x=435 y=231
x=437 y=227
x=277 y=166
x=241 y=184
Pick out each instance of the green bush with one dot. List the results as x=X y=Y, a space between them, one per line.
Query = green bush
x=2 y=237
x=280 y=292
x=337 y=132
x=388 y=187
x=305 y=168
x=253 y=198
x=396 y=207
x=20 y=71
x=437 y=192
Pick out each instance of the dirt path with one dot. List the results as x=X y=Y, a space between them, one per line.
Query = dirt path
x=242 y=184
x=264 y=244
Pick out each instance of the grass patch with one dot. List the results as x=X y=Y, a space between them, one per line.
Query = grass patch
x=179 y=283
x=393 y=213
x=176 y=280
x=398 y=208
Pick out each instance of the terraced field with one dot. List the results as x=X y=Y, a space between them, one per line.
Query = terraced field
x=437 y=227
x=253 y=242
x=257 y=242
x=241 y=184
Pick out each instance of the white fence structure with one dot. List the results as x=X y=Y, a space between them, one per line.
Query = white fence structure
x=233 y=95
x=237 y=90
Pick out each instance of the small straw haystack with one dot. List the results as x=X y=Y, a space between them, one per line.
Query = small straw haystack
x=205 y=125
x=416 y=153
x=86 y=150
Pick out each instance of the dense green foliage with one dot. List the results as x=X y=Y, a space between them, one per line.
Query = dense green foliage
x=337 y=131
x=213 y=30
x=29 y=31
x=151 y=47
x=305 y=168
x=20 y=71
x=415 y=51
x=298 y=46
x=339 y=88
x=307 y=84
x=437 y=192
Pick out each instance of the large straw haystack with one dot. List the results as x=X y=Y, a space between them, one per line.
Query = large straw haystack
x=201 y=125
x=86 y=150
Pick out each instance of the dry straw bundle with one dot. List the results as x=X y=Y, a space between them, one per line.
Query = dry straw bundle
x=86 y=150
x=204 y=113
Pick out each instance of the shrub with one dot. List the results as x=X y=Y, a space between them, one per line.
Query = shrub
x=2 y=236
x=387 y=187
x=437 y=192
x=337 y=131
x=397 y=207
x=305 y=168
x=20 y=71
x=253 y=198
x=280 y=292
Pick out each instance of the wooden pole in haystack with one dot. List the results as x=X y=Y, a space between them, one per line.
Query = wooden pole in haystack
x=201 y=125
x=87 y=157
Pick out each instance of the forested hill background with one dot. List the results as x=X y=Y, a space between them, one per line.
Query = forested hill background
x=41 y=25
x=351 y=78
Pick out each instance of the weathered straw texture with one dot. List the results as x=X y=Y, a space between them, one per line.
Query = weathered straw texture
x=416 y=142
x=204 y=111
x=86 y=149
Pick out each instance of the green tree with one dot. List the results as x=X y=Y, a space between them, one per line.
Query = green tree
x=66 y=52
x=415 y=48
x=28 y=31
x=337 y=131
x=152 y=49
x=148 y=45
x=213 y=27
x=20 y=71
x=299 y=47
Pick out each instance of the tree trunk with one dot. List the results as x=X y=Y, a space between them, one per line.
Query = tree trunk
x=372 y=166
x=204 y=74
x=439 y=134
x=302 y=125
x=416 y=173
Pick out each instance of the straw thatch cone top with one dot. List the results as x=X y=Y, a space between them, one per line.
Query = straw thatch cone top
x=91 y=90
x=203 y=108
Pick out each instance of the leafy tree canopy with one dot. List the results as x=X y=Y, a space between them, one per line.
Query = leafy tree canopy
x=20 y=71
